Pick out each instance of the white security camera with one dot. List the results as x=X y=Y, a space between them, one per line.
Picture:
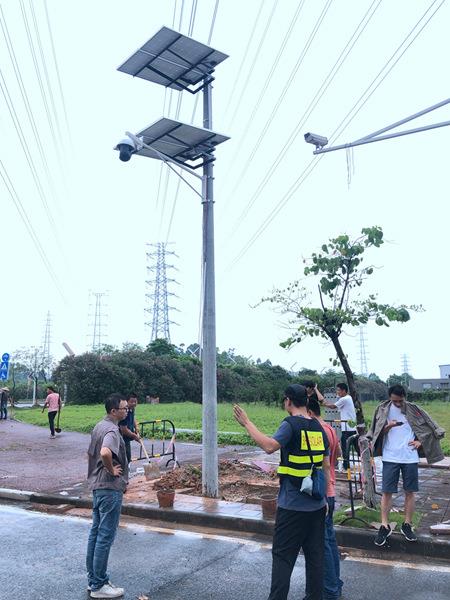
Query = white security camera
x=126 y=147
x=317 y=140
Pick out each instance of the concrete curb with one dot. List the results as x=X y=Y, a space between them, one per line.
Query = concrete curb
x=426 y=547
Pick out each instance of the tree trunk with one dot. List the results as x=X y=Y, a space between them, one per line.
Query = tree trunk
x=368 y=483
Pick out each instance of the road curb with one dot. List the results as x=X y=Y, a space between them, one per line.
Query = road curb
x=426 y=547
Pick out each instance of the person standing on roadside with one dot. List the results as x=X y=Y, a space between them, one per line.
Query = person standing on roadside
x=332 y=586
x=4 y=397
x=108 y=479
x=53 y=405
x=312 y=391
x=300 y=518
x=399 y=431
x=129 y=427
x=345 y=405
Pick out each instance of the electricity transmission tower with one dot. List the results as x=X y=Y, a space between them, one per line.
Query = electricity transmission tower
x=98 y=323
x=46 y=341
x=363 y=351
x=158 y=295
x=405 y=369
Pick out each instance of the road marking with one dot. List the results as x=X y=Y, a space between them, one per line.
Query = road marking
x=400 y=565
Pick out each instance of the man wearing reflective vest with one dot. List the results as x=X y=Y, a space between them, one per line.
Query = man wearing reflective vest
x=300 y=519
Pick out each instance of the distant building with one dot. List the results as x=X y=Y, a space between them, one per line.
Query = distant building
x=443 y=383
x=445 y=371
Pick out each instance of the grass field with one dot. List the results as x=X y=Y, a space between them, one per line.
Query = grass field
x=188 y=415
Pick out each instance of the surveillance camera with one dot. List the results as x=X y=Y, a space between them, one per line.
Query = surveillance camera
x=126 y=147
x=317 y=140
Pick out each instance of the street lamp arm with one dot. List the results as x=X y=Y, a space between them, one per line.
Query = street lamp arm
x=141 y=144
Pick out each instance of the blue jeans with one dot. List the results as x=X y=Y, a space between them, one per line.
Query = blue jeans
x=105 y=520
x=332 y=583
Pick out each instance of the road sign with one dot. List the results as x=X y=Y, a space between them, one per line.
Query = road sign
x=4 y=367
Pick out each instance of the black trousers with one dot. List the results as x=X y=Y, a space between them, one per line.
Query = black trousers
x=128 y=448
x=344 y=437
x=51 y=421
x=295 y=530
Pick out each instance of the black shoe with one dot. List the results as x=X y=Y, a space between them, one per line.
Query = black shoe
x=382 y=535
x=407 y=531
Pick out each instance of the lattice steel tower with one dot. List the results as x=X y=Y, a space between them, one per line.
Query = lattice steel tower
x=158 y=295
x=363 y=351
x=98 y=317
x=46 y=341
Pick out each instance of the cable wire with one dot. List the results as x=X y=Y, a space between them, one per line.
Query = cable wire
x=281 y=97
x=257 y=104
x=252 y=66
x=244 y=57
x=26 y=101
x=362 y=25
x=29 y=227
x=337 y=132
x=58 y=74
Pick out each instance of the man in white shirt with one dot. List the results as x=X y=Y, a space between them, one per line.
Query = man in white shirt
x=345 y=405
x=400 y=455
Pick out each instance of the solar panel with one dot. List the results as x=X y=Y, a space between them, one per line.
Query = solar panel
x=173 y=60
x=181 y=142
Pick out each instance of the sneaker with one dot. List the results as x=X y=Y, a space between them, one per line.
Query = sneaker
x=382 y=535
x=52 y=437
x=408 y=532
x=109 y=583
x=108 y=591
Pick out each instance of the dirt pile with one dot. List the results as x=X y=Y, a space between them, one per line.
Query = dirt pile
x=238 y=481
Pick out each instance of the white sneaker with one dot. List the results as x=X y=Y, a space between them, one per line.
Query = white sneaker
x=109 y=583
x=107 y=591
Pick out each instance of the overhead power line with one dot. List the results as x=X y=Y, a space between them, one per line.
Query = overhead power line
x=281 y=97
x=29 y=227
x=244 y=56
x=362 y=25
x=253 y=64
x=26 y=101
x=258 y=101
x=58 y=75
x=394 y=59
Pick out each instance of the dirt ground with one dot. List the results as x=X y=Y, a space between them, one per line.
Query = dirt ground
x=238 y=482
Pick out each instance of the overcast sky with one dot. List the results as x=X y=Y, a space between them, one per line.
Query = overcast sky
x=93 y=227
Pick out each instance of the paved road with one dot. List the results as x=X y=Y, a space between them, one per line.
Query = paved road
x=29 y=460
x=45 y=554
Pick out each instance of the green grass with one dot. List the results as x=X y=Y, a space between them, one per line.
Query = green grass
x=372 y=515
x=188 y=415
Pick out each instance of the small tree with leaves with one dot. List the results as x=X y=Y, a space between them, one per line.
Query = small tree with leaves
x=339 y=272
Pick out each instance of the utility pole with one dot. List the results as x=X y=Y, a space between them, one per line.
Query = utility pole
x=159 y=294
x=181 y=63
x=210 y=473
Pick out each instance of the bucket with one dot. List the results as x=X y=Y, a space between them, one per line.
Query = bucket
x=269 y=506
x=165 y=498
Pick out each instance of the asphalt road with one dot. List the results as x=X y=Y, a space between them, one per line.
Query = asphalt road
x=42 y=558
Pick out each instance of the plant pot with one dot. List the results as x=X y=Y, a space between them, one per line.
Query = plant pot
x=269 y=506
x=165 y=498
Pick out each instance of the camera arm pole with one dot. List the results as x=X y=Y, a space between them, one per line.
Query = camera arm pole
x=376 y=137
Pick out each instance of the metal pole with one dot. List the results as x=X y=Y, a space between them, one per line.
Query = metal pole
x=210 y=467
x=371 y=140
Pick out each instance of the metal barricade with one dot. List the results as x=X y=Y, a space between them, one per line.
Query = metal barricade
x=165 y=428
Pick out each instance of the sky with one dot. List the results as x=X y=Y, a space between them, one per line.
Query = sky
x=92 y=216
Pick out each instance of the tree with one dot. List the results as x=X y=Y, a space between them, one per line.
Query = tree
x=36 y=364
x=338 y=273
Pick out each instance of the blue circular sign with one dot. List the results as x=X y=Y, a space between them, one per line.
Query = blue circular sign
x=5 y=357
